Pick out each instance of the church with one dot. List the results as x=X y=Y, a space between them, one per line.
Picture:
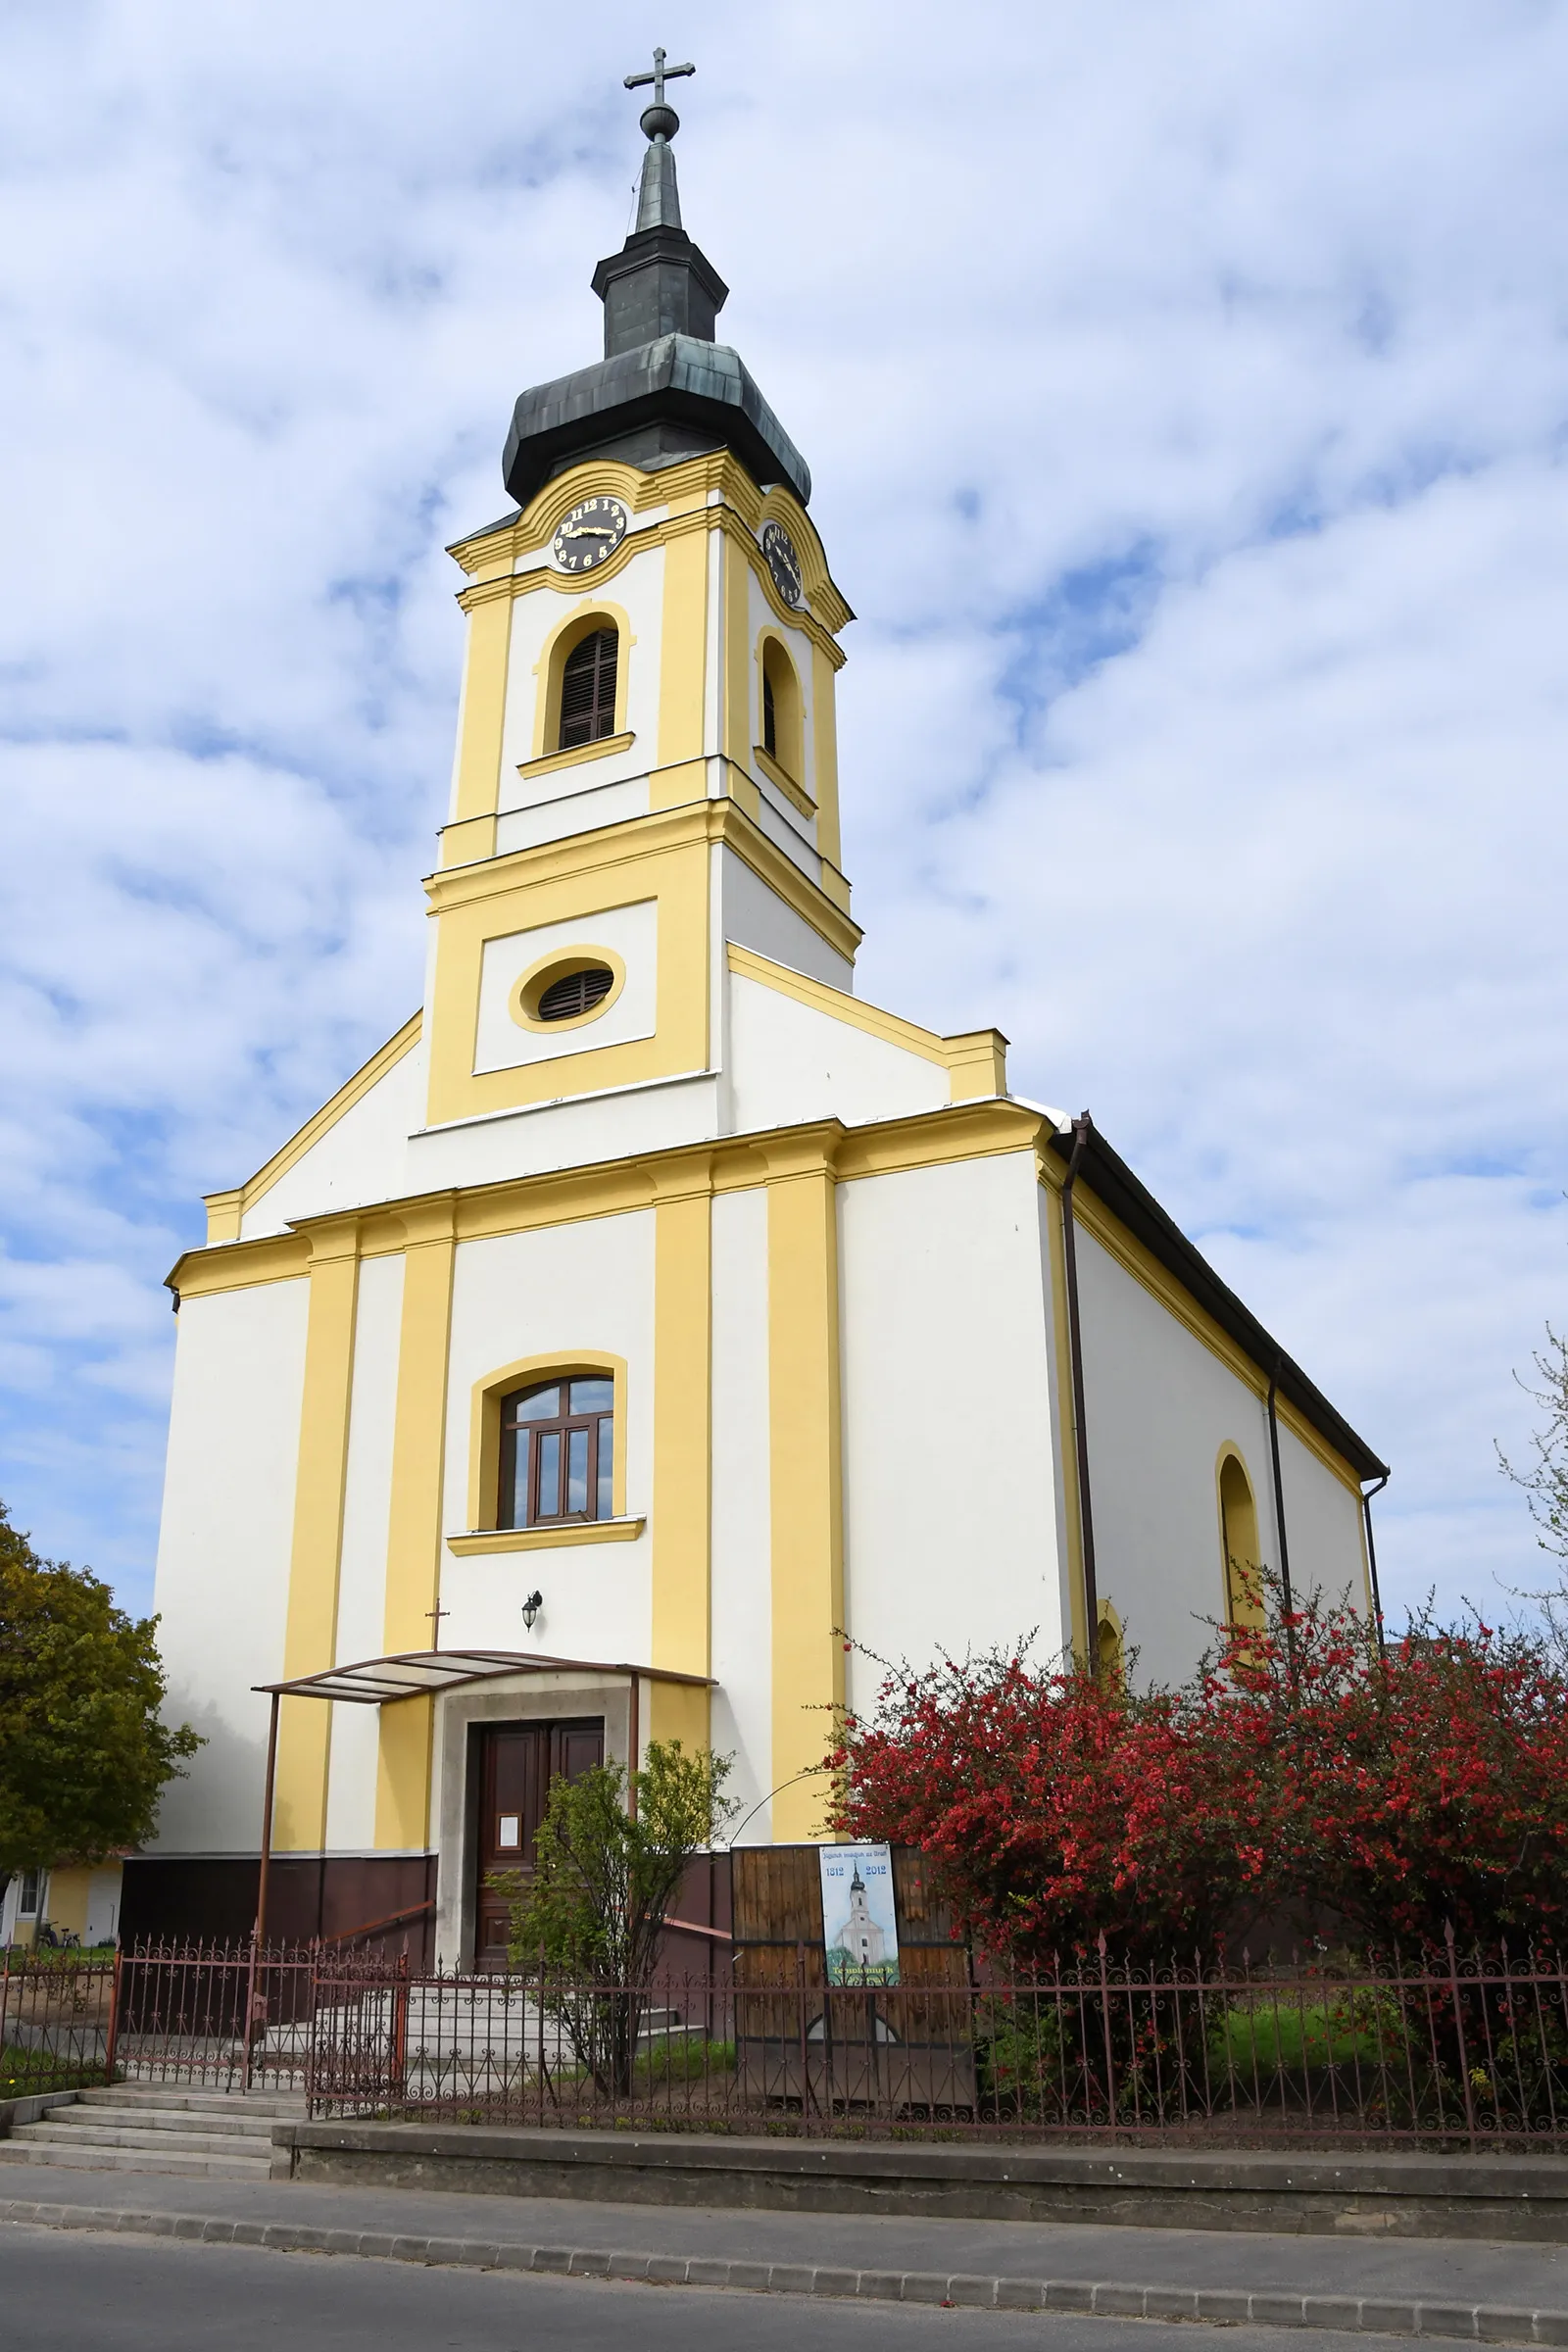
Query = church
x=654 y=1332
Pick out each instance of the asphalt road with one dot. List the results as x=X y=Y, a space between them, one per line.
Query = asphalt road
x=121 y=2294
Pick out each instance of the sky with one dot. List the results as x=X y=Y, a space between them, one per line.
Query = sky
x=1185 y=385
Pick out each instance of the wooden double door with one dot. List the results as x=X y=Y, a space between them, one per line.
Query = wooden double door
x=513 y=1766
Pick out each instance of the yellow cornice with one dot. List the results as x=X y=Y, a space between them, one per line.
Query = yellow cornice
x=638 y=838
x=616 y=1188
x=975 y=1060
x=225 y=1210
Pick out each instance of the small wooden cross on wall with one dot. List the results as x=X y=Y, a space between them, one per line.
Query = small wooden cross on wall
x=659 y=76
x=436 y=1614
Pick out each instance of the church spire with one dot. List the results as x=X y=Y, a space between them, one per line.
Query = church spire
x=658 y=196
x=666 y=389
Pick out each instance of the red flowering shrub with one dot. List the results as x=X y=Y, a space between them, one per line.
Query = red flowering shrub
x=1299 y=1767
x=1424 y=1785
x=1058 y=1807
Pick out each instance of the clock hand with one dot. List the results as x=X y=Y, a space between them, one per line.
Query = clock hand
x=586 y=530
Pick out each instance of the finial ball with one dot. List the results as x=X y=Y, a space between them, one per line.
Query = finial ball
x=659 y=121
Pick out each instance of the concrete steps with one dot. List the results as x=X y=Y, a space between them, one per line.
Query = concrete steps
x=143 y=2128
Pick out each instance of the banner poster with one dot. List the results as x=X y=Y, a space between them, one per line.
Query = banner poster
x=859 y=1926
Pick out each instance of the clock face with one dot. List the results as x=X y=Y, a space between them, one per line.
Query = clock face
x=590 y=534
x=778 y=553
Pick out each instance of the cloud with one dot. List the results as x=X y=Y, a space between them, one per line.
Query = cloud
x=1185 y=388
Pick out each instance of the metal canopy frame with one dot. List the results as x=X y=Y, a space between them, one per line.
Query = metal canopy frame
x=428 y=1673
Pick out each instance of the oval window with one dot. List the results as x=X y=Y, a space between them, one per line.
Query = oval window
x=575 y=994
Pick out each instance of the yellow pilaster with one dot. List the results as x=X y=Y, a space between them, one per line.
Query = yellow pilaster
x=737 y=723
x=309 y=1636
x=413 y=1541
x=479 y=726
x=682 y=1451
x=683 y=668
x=804 y=1470
x=825 y=751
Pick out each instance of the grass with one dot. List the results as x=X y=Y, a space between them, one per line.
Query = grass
x=1339 y=2031
x=24 y=2073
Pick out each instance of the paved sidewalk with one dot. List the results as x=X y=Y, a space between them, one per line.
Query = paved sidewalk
x=1464 y=2289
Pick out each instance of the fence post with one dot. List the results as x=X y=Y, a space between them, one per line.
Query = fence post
x=250 y=2017
x=1458 y=2020
x=1104 y=2019
x=111 y=2038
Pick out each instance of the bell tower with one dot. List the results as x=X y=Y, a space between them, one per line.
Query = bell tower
x=646 y=770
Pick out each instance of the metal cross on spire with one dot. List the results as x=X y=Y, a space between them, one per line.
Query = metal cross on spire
x=659 y=121
x=659 y=76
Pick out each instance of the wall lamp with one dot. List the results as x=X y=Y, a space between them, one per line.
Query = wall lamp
x=531 y=1608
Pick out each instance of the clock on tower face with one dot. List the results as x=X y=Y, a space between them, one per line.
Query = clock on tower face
x=778 y=553
x=590 y=534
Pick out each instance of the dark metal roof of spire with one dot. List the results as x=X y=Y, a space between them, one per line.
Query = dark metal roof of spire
x=664 y=389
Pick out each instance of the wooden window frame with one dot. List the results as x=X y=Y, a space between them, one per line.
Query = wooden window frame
x=486 y=1398
x=562 y=1425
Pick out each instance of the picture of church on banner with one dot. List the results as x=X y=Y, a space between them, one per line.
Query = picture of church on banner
x=859 y=1926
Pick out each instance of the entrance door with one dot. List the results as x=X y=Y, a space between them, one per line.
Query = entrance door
x=516 y=1765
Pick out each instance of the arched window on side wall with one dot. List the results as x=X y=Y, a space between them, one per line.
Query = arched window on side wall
x=783 y=732
x=1238 y=1522
x=558 y=1452
x=588 y=688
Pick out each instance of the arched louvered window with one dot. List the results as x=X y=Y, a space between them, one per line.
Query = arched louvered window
x=782 y=711
x=588 y=688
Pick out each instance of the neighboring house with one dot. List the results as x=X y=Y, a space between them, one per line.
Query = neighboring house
x=652 y=1318
x=79 y=1898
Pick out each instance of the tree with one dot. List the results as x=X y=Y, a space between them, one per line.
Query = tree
x=589 y=1915
x=1546 y=1478
x=84 y=1754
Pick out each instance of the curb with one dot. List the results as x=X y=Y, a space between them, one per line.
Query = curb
x=1479 y=2322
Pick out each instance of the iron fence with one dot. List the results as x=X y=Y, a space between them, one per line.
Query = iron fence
x=1440 y=2048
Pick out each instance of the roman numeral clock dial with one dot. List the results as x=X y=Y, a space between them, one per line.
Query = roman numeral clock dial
x=590 y=534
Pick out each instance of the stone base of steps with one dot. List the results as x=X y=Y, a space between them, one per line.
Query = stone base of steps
x=90 y=2159
x=63 y=2132
x=149 y=2099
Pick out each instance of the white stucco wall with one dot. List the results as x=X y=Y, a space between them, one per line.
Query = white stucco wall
x=790 y=1063
x=1323 y=1525
x=361 y=1574
x=742 y=1594
x=754 y=917
x=1159 y=1406
x=573 y=1134
x=554 y=1293
x=224 y=1549
x=362 y=1158
x=949 y=1479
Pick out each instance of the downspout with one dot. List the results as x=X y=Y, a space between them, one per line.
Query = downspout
x=1372 y=1552
x=1279 y=1503
x=1082 y=1128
